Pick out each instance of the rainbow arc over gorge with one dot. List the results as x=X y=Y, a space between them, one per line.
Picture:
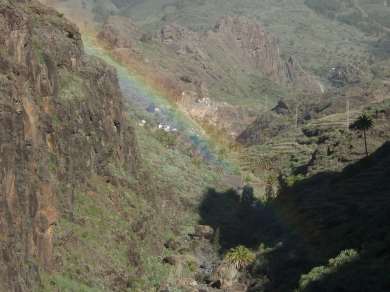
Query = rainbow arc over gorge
x=140 y=94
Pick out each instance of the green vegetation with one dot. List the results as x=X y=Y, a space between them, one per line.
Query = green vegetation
x=293 y=179
x=71 y=87
x=371 y=16
x=334 y=264
x=240 y=257
x=64 y=284
x=116 y=230
x=168 y=139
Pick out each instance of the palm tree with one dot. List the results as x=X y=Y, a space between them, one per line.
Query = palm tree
x=363 y=123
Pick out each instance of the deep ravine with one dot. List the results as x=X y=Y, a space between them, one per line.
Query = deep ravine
x=236 y=222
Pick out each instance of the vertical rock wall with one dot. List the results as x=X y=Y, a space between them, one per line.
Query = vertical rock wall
x=61 y=120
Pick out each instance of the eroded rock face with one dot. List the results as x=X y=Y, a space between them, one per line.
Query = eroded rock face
x=265 y=127
x=253 y=44
x=120 y=32
x=61 y=120
x=243 y=42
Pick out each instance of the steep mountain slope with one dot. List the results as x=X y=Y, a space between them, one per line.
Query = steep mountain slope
x=369 y=16
x=313 y=40
x=87 y=200
x=56 y=105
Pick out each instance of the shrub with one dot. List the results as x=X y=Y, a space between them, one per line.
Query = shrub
x=168 y=139
x=240 y=257
x=317 y=273
x=293 y=179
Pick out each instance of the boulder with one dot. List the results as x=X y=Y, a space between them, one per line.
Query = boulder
x=172 y=244
x=281 y=108
x=172 y=260
x=204 y=231
x=224 y=276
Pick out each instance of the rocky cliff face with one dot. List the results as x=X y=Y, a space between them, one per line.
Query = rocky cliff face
x=62 y=121
x=255 y=47
x=120 y=32
x=244 y=43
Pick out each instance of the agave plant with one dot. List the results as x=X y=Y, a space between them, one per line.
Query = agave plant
x=240 y=257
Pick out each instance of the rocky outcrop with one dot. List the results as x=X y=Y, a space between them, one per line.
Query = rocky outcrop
x=267 y=126
x=120 y=32
x=281 y=108
x=204 y=232
x=62 y=121
x=225 y=276
x=253 y=45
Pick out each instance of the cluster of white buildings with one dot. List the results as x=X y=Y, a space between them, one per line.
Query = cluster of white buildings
x=161 y=126
x=204 y=101
x=164 y=127
x=167 y=128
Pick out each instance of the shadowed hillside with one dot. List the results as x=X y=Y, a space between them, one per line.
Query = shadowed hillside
x=328 y=232
x=239 y=219
x=346 y=210
x=242 y=220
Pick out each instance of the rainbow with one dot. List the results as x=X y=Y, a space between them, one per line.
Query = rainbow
x=142 y=93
